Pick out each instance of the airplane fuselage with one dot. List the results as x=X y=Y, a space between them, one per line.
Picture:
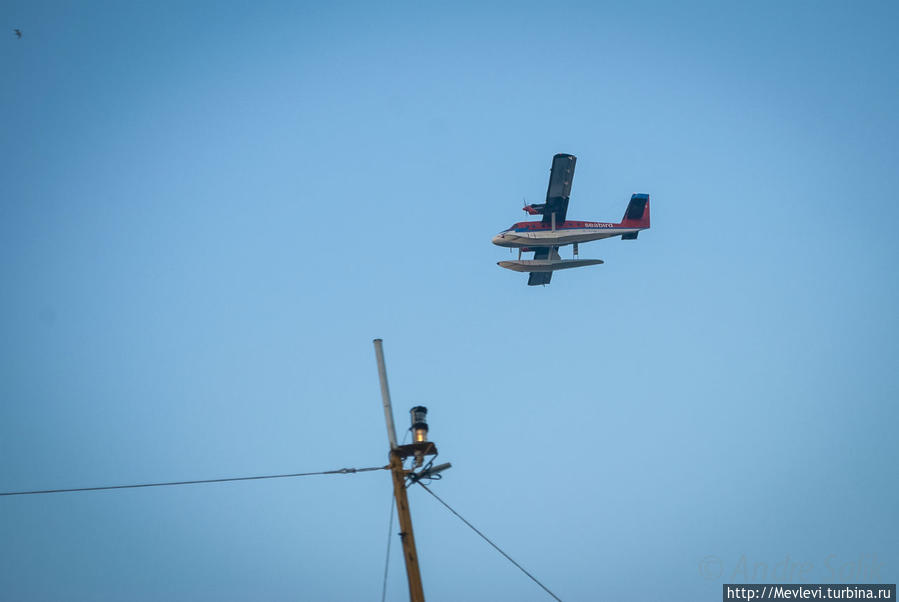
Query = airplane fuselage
x=539 y=234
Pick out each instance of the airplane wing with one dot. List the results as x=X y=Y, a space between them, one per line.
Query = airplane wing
x=539 y=278
x=559 y=188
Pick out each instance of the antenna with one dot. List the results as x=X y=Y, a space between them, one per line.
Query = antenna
x=385 y=393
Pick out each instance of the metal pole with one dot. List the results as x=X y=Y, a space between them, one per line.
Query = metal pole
x=385 y=393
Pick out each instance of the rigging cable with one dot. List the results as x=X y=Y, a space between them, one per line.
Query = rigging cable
x=389 y=539
x=390 y=528
x=196 y=482
x=473 y=528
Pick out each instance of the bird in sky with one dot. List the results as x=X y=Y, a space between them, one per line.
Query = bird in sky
x=18 y=33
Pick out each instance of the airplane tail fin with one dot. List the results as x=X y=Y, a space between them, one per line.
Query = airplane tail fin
x=637 y=213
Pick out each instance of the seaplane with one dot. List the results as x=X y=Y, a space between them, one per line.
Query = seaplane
x=544 y=238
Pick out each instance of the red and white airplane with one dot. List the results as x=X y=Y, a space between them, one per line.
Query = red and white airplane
x=545 y=237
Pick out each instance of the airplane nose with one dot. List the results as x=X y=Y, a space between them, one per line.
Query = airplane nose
x=498 y=239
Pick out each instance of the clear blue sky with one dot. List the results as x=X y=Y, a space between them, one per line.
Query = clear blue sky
x=209 y=211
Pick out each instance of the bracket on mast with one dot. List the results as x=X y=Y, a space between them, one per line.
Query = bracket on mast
x=426 y=448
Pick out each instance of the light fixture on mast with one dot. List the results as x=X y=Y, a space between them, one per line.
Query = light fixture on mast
x=419 y=415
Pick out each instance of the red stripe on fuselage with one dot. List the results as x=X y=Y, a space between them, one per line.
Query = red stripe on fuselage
x=566 y=225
